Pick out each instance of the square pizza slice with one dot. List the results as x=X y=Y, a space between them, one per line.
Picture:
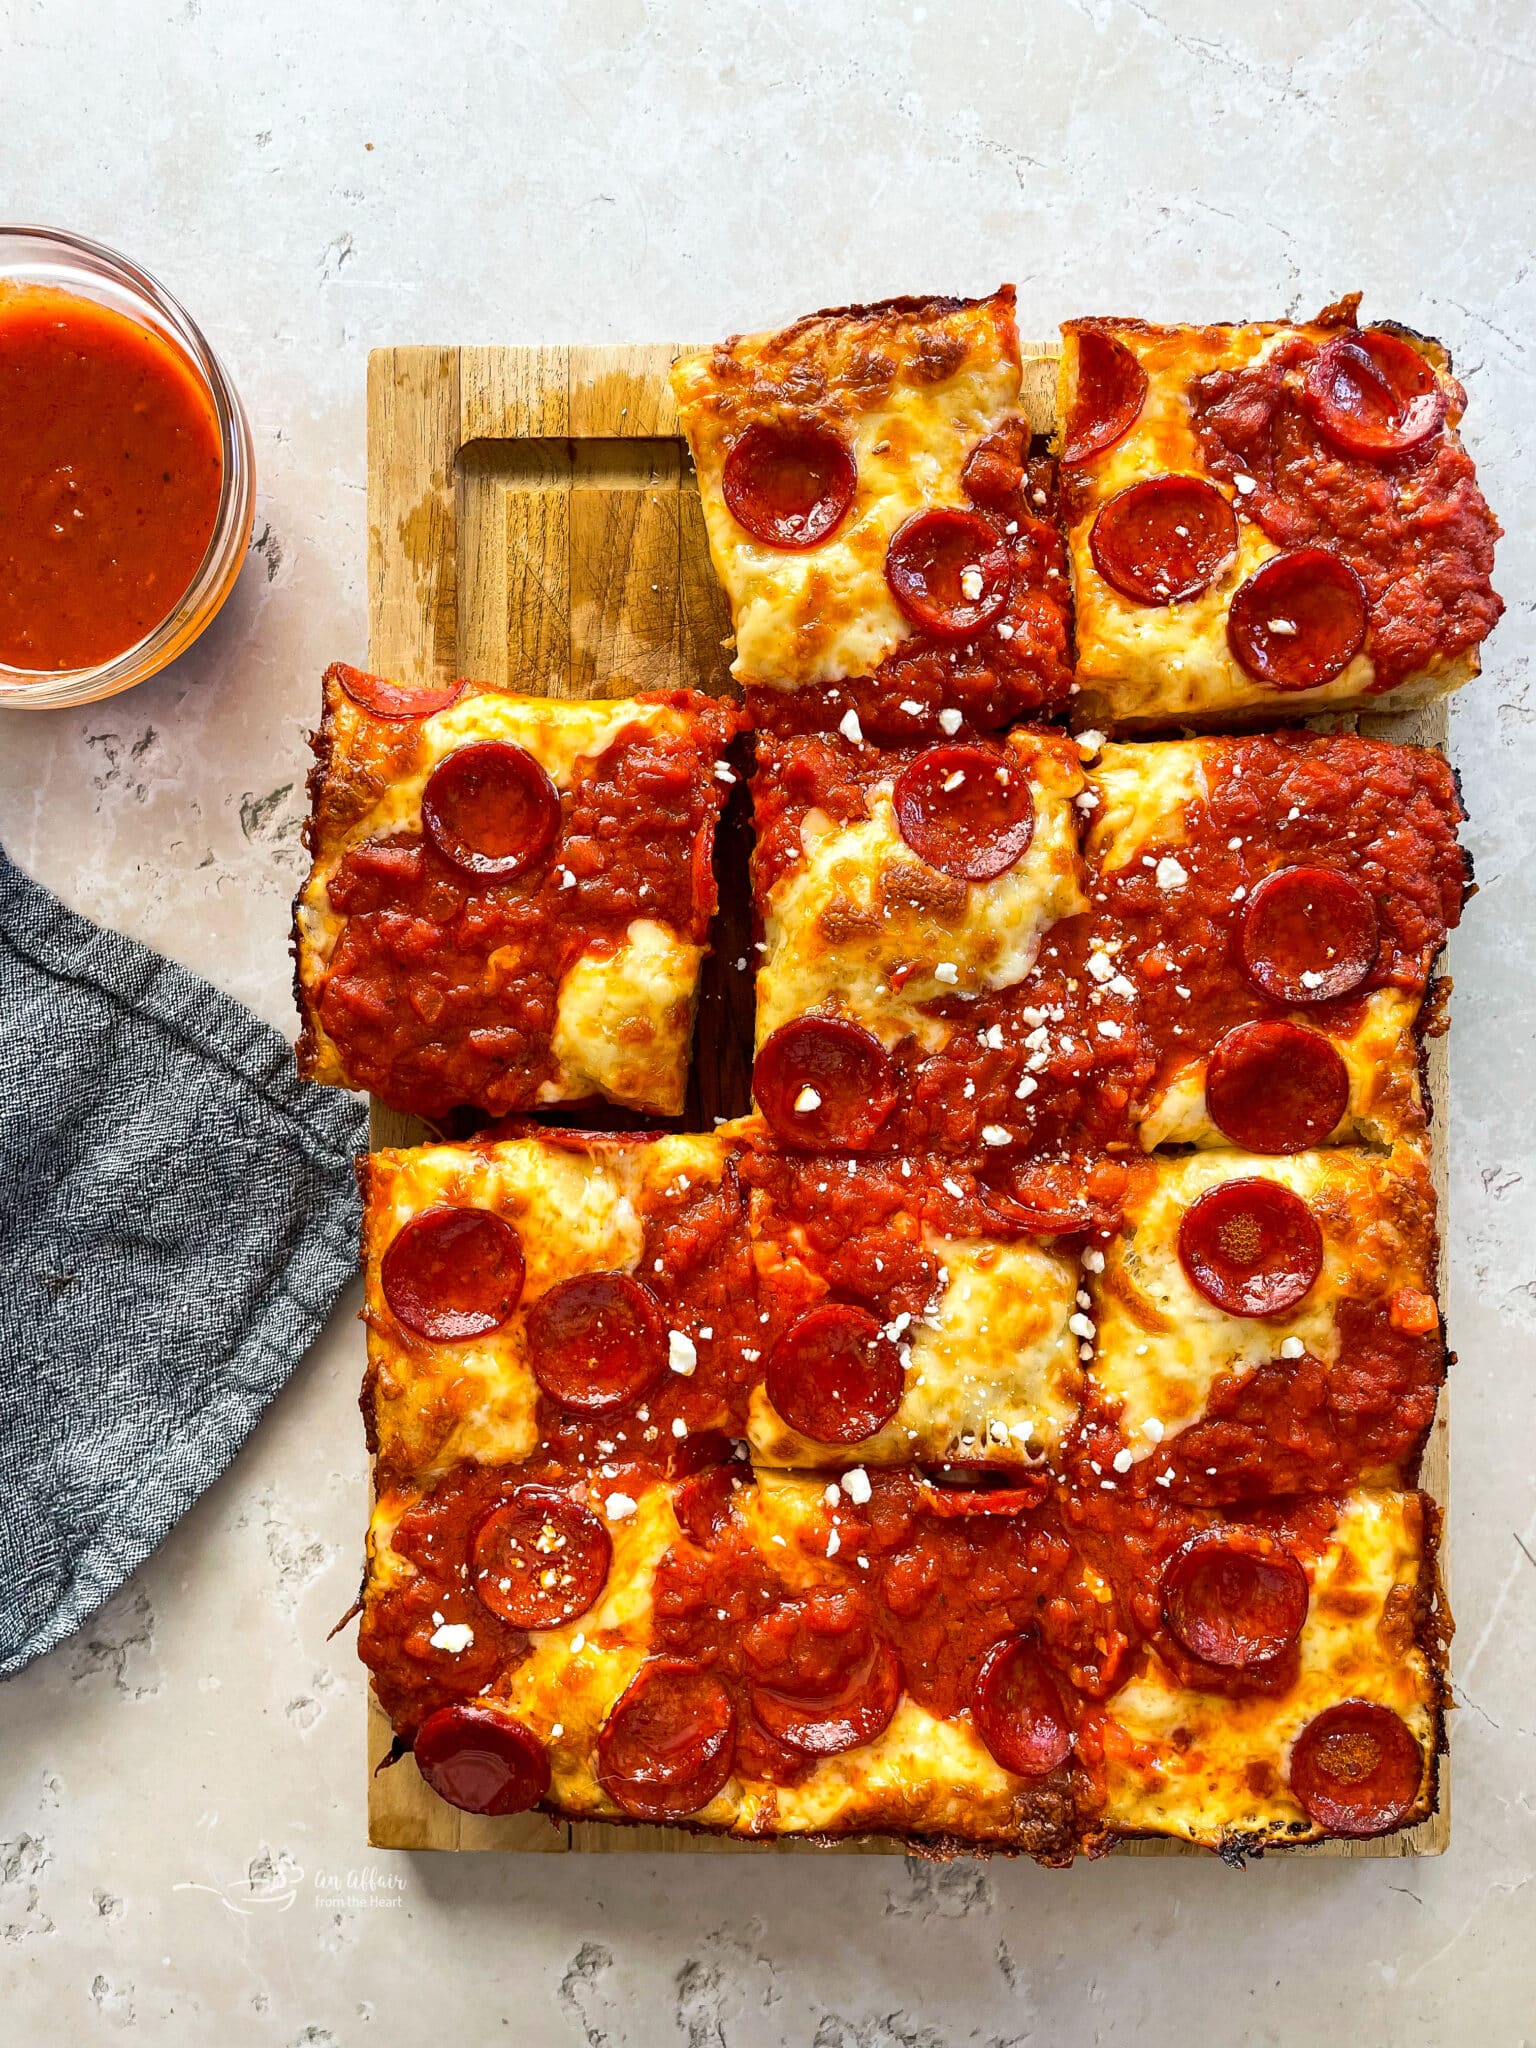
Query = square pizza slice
x=510 y=897
x=1268 y=519
x=1265 y=1326
x=1276 y=904
x=749 y=1653
x=886 y=538
x=922 y=983
x=556 y=1299
x=1288 y=1683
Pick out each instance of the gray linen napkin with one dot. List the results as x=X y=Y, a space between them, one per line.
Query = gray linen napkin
x=177 y=1218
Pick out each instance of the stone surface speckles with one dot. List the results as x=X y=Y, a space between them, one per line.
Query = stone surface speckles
x=181 y=1813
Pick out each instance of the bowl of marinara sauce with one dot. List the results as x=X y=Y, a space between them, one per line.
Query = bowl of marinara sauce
x=127 y=479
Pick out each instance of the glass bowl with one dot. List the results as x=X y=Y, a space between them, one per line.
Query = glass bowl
x=48 y=256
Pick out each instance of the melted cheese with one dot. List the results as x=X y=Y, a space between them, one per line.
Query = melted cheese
x=1212 y=1769
x=992 y=1371
x=634 y=1032
x=624 y=1020
x=1161 y=1345
x=574 y=1210
x=860 y=904
x=911 y=393
x=1151 y=663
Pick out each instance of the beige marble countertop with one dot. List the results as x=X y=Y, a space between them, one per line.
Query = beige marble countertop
x=181 y=1813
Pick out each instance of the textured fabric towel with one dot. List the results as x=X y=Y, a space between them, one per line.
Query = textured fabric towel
x=177 y=1218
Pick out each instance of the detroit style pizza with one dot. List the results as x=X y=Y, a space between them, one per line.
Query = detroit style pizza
x=1006 y=1434
x=1268 y=519
x=510 y=898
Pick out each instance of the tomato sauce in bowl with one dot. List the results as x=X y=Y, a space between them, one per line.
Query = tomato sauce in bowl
x=125 y=474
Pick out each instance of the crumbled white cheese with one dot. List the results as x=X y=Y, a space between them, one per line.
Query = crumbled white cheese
x=1093 y=1260
x=1292 y=1348
x=834 y=1543
x=1081 y=1326
x=911 y=707
x=994 y=1134
x=807 y=1100
x=682 y=1354
x=971 y=582
x=848 y=725
x=1108 y=1028
x=947 y=972
x=1152 y=1429
x=1089 y=742
x=856 y=1485
x=1170 y=875
x=949 y=722
x=1245 y=484
x=1122 y=1461
x=1100 y=966
x=567 y=879
x=679 y=1427
x=1284 y=628
x=453 y=1636
x=1026 y=1088
x=618 y=1507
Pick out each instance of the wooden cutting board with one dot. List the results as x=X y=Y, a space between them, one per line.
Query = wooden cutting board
x=533 y=520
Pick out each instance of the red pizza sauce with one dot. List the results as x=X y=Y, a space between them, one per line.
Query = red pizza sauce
x=1015 y=665
x=1296 y=1425
x=443 y=987
x=1384 y=817
x=1414 y=525
x=111 y=468
x=1055 y=1060
x=935 y=1591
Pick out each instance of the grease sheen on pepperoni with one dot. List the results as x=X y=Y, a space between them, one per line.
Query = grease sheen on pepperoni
x=790 y=483
x=949 y=571
x=955 y=1492
x=966 y=810
x=480 y=1760
x=386 y=699
x=1298 y=621
x=834 y=1375
x=540 y=1559
x=1251 y=1246
x=596 y=1341
x=1309 y=934
x=1357 y=1769
x=1018 y=1711
x=1164 y=540
x=668 y=1745
x=1276 y=1086
x=453 y=1273
x=1111 y=390
x=826 y=1724
x=1373 y=395
x=490 y=809
x=823 y=1081
x=1235 y=1598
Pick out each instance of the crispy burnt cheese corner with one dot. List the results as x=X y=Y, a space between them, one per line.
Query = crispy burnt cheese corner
x=1260 y=1033
x=446 y=958
x=860 y=924
x=1375 y=475
x=815 y=445
x=1265 y=1326
x=1221 y=1764
x=441 y=1385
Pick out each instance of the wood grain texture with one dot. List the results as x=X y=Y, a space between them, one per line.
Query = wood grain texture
x=533 y=520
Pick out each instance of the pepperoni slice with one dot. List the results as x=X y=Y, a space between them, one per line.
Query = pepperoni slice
x=823 y=1081
x=453 y=1273
x=1018 y=1711
x=1299 y=621
x=1373 y=395
x=826 y=1723
x=540 y=1559
x=1111 y=390
x=1357 y=1769
x=1251 y=1246
x=480 y=1760
x=966 y=810
x=387 y=699
x=834 y=1375
x=954 y=1492
x=490 y=809
x=1235 y=1598
x=702 y=1503
x=1308 y=935
x=596 y=1342
x=669 y=1744
x=1275 y=1087
x=1164 y=539
x=789 y=483
x=948 y=571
